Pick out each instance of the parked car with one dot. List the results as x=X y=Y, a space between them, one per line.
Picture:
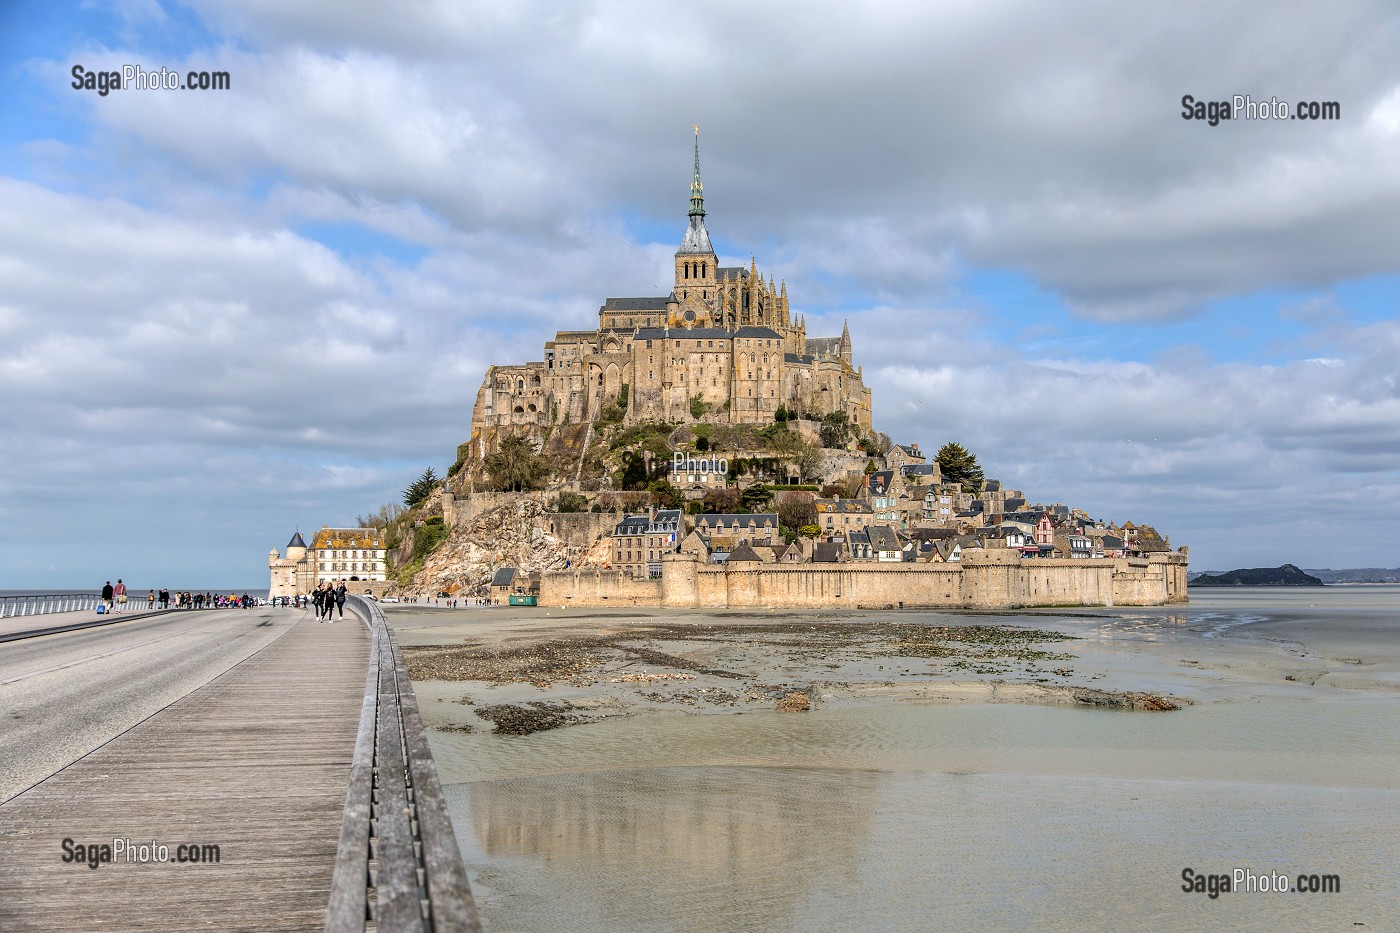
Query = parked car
x=389 y=599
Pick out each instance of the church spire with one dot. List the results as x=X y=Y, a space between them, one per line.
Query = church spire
x=697 y=190
x=697 y=238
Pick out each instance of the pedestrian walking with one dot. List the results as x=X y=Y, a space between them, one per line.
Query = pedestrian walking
x=107 y=595
x=119 y=593
x=318 y=598
x=150 y=599
x=340 y=598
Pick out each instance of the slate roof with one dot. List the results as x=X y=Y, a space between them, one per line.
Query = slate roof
x=746 y=521
x=908 y=449
x=842 y=506
x=665 y=521
x=918 y=469
x=931 y=534
x=635 y=304
x=743 y=554
x=632 y=525
x=794 y=358
x=880 y=482
x=503 y=577
x=826 y=552
x=824 y=346
x=697 y=239
x=726 y=272
x=883 y=538
x=296 y=541
x=751 y=331
x=680 y=333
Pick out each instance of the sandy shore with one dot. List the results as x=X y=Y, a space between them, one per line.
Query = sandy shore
x=517 y=671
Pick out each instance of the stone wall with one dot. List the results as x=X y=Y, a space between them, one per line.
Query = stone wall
x=598 y=588
x=993 y=579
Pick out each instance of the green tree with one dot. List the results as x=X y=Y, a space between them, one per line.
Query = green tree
x=782 y=414
x=810 y=531
x=634 y=471
x=515 y=466
x=421 y=488
x=958 y=465
x=835 y=429
x=698 y=406
x=756 y=497
x=571 y=502
x=665 y=495
x=871 y=468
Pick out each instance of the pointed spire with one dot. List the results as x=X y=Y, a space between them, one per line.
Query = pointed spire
x=697 y=238
x=697 y=190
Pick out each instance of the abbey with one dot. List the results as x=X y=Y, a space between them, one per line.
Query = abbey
x=722 y=347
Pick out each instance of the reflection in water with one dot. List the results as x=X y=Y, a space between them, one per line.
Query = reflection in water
x=909 y=817
x=675 y=848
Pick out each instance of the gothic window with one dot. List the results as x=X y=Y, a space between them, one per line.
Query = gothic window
x=520 y=385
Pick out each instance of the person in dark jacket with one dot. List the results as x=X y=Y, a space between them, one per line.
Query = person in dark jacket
x=107 y=595
x=340 y=598
x=318 y=599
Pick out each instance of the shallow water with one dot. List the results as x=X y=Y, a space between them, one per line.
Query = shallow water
x=915 y=817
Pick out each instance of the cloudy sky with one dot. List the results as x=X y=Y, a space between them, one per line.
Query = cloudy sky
x=228 y=314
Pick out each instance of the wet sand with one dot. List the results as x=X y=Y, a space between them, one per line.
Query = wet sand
x=949 y=771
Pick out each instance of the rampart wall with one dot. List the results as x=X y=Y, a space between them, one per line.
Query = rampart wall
x=990 y=579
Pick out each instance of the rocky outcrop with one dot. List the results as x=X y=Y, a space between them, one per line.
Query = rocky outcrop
x=509 y=535
x=1287 y=575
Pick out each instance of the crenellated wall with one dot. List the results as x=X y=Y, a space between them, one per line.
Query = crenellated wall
x=991 y=579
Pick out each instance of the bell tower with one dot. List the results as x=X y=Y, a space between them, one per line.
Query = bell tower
x=697 y=287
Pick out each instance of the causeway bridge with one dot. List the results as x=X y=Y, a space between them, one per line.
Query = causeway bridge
x=231 y=769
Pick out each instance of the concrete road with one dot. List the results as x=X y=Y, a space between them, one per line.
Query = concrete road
x=61 y=696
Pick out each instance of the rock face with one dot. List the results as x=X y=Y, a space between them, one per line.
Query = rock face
x=1287 y=575
x=510 y=535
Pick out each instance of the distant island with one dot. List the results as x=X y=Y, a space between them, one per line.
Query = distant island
x=1287 y=575
x=1358 y=575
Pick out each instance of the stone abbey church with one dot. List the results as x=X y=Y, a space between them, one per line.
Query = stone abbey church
x=723 y=338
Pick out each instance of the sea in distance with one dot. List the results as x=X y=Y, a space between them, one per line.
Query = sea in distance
x=907 y=815
x=133 y=590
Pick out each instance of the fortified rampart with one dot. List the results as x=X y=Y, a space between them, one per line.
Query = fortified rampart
x=983 y=579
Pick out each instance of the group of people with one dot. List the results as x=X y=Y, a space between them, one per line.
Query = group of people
x=327 y=597
x=115 y=599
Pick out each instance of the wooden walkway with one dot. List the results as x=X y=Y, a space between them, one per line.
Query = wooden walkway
x=256 y=762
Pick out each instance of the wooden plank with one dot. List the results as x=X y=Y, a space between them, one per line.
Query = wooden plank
x=258 y=762
x=449 y=893
x=396 y=883
x=347 y=910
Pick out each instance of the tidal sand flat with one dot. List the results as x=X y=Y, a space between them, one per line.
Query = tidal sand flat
x=932 y=770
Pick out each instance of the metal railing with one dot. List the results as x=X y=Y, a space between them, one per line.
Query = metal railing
x=398 y=866
x=45 y=603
